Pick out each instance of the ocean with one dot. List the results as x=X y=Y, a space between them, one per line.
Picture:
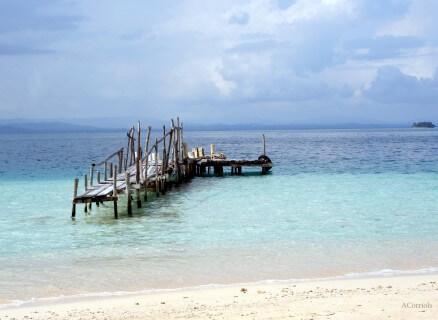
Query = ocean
x=338 y=203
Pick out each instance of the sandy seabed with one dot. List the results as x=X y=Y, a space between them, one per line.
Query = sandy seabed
x=401 y=297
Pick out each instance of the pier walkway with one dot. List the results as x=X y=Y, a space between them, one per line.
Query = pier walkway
x=153 y=167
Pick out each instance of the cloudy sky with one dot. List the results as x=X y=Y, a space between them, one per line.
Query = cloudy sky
x=276 y=61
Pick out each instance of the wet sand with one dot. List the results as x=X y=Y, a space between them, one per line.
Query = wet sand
x=402 y=297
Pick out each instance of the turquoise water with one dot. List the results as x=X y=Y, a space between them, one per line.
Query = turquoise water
x=337 y=202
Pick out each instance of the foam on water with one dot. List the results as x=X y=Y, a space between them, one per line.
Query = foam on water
x=98 y=295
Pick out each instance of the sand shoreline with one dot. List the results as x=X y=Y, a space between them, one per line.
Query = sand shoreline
x=395 y=297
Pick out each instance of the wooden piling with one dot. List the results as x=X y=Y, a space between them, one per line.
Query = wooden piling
x=264 y=144
x=86 y=182
x=92 y=174
x=146 y=150
x=128 y=194
x=163 y=164
x=177 y=157
x=157 y=185
x=138 y=166
x=132 y=146
x=120 y=156
x=171 y=135
x=98 y=177
x=116 y=214
x=128 y=147
x=138 y=155
x=75 y=193
x=111 y=170
x=105 y=171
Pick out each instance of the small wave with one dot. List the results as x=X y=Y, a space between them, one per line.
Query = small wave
x=97 y=295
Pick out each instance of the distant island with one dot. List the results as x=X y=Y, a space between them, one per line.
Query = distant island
x=424 y=124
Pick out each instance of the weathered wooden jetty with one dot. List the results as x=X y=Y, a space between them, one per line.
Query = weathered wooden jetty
x=154 y=166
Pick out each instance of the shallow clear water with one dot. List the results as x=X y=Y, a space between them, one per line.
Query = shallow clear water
x=337 y=202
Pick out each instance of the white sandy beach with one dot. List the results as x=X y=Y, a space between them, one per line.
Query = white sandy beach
x=402 y=297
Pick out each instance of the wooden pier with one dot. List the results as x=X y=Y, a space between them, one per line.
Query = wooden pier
x=153 y=167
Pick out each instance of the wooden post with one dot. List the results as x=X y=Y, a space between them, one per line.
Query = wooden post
x=128 y=162
x=185 y=150
x=163 y=163
x=75 y=194
x=182 y=139
x=120 y=155
x=164 y=147
x=137 y=191
x=98 y=177
x=175 y=134
x=128 y=148
x=138 y=157
x=147 y=140
x=132 y=147
x=128 y=194
x=212 y=151
x=86 y=188
x=105 y=171
x=178 y=172
x=169 y=147
x=138 y=165
x=146 y=164
x=181 y=151
x=157 y=191
x=116 y=214
x=111 y=169
x=264 y=144
x=92 y=174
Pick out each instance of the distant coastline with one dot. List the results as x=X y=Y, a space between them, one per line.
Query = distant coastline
x=49 y=127
x=18 y=127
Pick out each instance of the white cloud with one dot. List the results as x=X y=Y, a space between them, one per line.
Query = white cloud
x=253 y=55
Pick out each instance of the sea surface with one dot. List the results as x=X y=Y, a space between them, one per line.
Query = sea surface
x=337 y=203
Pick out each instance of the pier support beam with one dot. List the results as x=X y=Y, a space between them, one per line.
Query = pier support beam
x=138 y=166
x=116 y=214
x=75 y=193
x=157 y=177
x=218 y=170
x=137 y=191
x=146 y=150
x=128 y=194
